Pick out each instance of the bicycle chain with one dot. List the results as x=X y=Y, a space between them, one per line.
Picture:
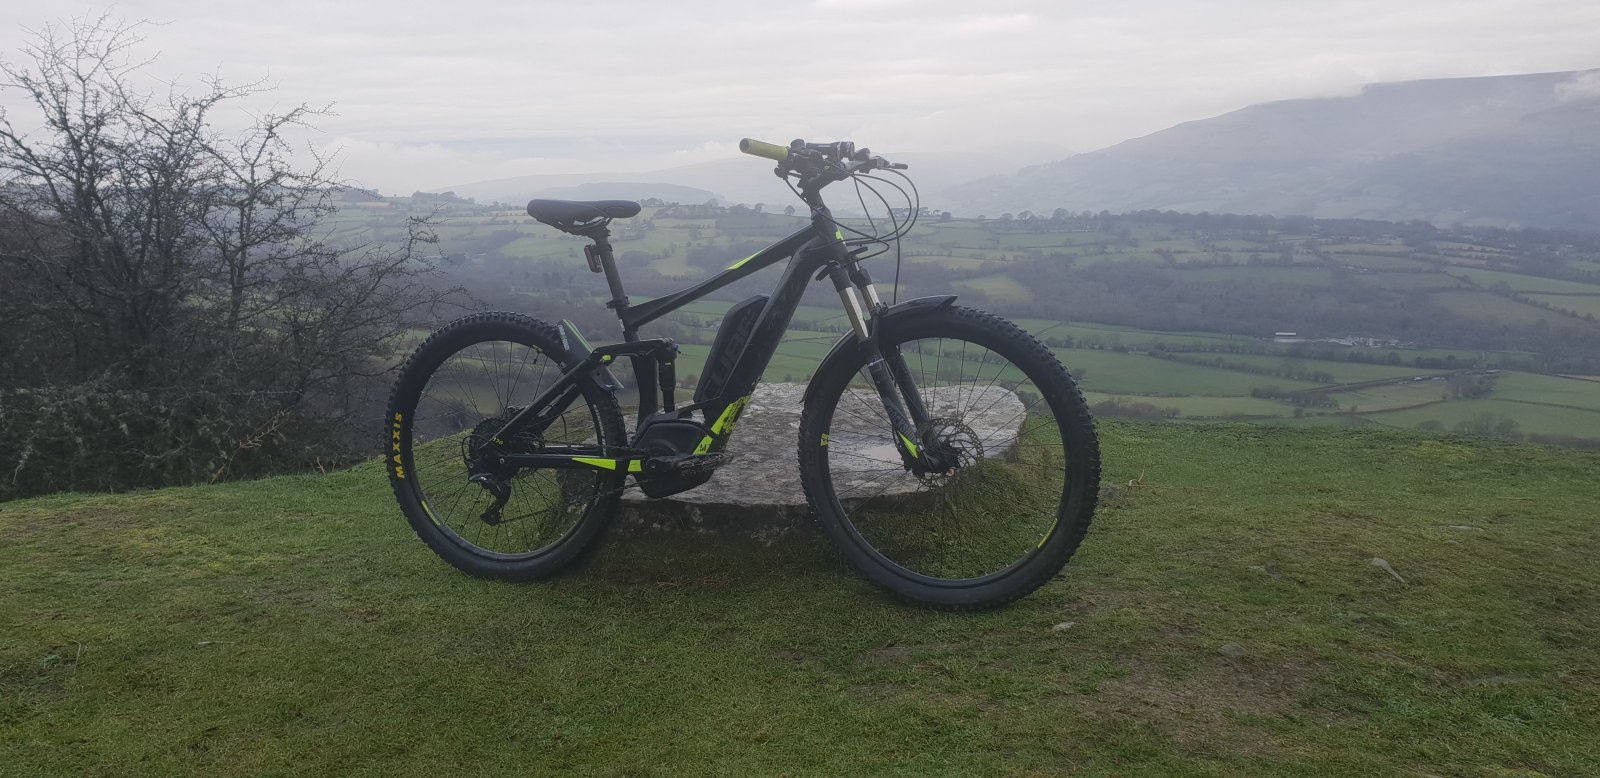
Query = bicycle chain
x=590 y=499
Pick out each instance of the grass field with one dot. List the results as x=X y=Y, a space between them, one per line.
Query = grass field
x=1555 y=390
x=1204 y=407
x=975 y=258
x=1387 y=397
x=1128 y=337
x=1412 y=281
x=1530 y=417
x=1581 y=305
x=1222 y=618
x=1485 y=304
x=1113 y=372
x=1001 y=287
x=1285 y=275
x=1521 y=283
x=1342 y=372
x=676 y=265
x=1376 y=262
x=1202 y=391
x=953 y=262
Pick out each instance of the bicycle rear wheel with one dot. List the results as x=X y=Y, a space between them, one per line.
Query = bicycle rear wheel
x=1012 y=510
x=457 y=390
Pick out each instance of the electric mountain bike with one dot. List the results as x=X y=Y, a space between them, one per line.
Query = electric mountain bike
x=946 y=452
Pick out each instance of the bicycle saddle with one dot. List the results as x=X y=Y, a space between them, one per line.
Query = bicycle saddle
x=563 y=213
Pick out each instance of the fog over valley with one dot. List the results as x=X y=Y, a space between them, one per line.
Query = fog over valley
x=426 y=99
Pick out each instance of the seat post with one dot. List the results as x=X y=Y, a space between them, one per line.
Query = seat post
x=601 y=235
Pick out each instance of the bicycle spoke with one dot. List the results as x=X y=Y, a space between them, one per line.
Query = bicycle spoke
x=988 y=513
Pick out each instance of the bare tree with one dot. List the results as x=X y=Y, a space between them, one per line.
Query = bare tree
x=171 y=299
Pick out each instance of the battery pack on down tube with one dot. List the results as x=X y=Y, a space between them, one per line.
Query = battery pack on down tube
x=737 y=326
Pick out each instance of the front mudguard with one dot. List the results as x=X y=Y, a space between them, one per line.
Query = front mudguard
x=847 y=346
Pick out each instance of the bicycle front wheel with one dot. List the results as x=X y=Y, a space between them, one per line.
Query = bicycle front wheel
x=454 y=394
x=1023 y=468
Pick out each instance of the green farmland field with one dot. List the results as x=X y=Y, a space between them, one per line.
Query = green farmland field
x=1204 y=407
x=1580 y=305
x=1342 y=372
x=1112 y=372
x=1393 y=396
x=1551 y=390
x=1531 y=418
x=1380 y=262
x=1485 y=304
x=1522 y=283
x=1228 y=266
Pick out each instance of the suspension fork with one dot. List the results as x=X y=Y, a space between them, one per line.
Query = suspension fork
x=902 y=402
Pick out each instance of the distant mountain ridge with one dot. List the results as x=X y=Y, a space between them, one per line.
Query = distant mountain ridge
x=742 y=179
x=627 y=190
x=1501 y=150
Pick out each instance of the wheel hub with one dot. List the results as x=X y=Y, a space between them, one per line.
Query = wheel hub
x=949 y=445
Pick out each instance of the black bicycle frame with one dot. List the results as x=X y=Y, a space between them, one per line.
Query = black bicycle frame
x=817 y=250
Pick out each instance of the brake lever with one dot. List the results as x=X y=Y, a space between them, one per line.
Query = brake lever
x=873 y=163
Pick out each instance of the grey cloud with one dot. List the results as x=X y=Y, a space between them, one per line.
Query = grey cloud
x=429 y=94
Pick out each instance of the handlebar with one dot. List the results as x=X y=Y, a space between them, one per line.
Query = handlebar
x=757 y=148
x=842 y=156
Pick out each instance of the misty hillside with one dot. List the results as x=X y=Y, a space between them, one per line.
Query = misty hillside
x=745 y=179
x=625 y=190
x=1505 y=150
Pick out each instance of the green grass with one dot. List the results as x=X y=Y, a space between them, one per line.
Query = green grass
x=1003 y=287
x=1297 y=276
x=1128 y=337
x=1204 y=407
x=1386 y=397
x=952 y=262
x=1530 y=417
x=530 y=247
x=1521 y=283
x=1402 y=281
x=676 y=265
x=295 y=626
x=1373 y=262
x=1342 y=372
x=1477 y=304
x=1112 y=372
x=1581 y=305
x=1554 y=390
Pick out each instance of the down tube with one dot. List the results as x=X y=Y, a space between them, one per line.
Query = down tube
x=772 y=325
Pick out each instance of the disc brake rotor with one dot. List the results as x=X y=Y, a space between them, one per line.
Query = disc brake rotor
x=952 y=445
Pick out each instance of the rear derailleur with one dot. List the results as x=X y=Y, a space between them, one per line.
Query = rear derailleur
x=479 y=451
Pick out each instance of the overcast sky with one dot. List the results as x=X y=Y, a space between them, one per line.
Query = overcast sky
x=433 y=93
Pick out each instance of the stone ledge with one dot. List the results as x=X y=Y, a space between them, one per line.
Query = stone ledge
x=759 y=493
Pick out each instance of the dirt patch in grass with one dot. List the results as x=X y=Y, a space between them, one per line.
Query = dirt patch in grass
x=22 y=526
x=900 y=656
x=1212 y=694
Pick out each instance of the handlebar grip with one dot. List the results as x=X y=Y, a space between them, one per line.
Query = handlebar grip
x=768 y=150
